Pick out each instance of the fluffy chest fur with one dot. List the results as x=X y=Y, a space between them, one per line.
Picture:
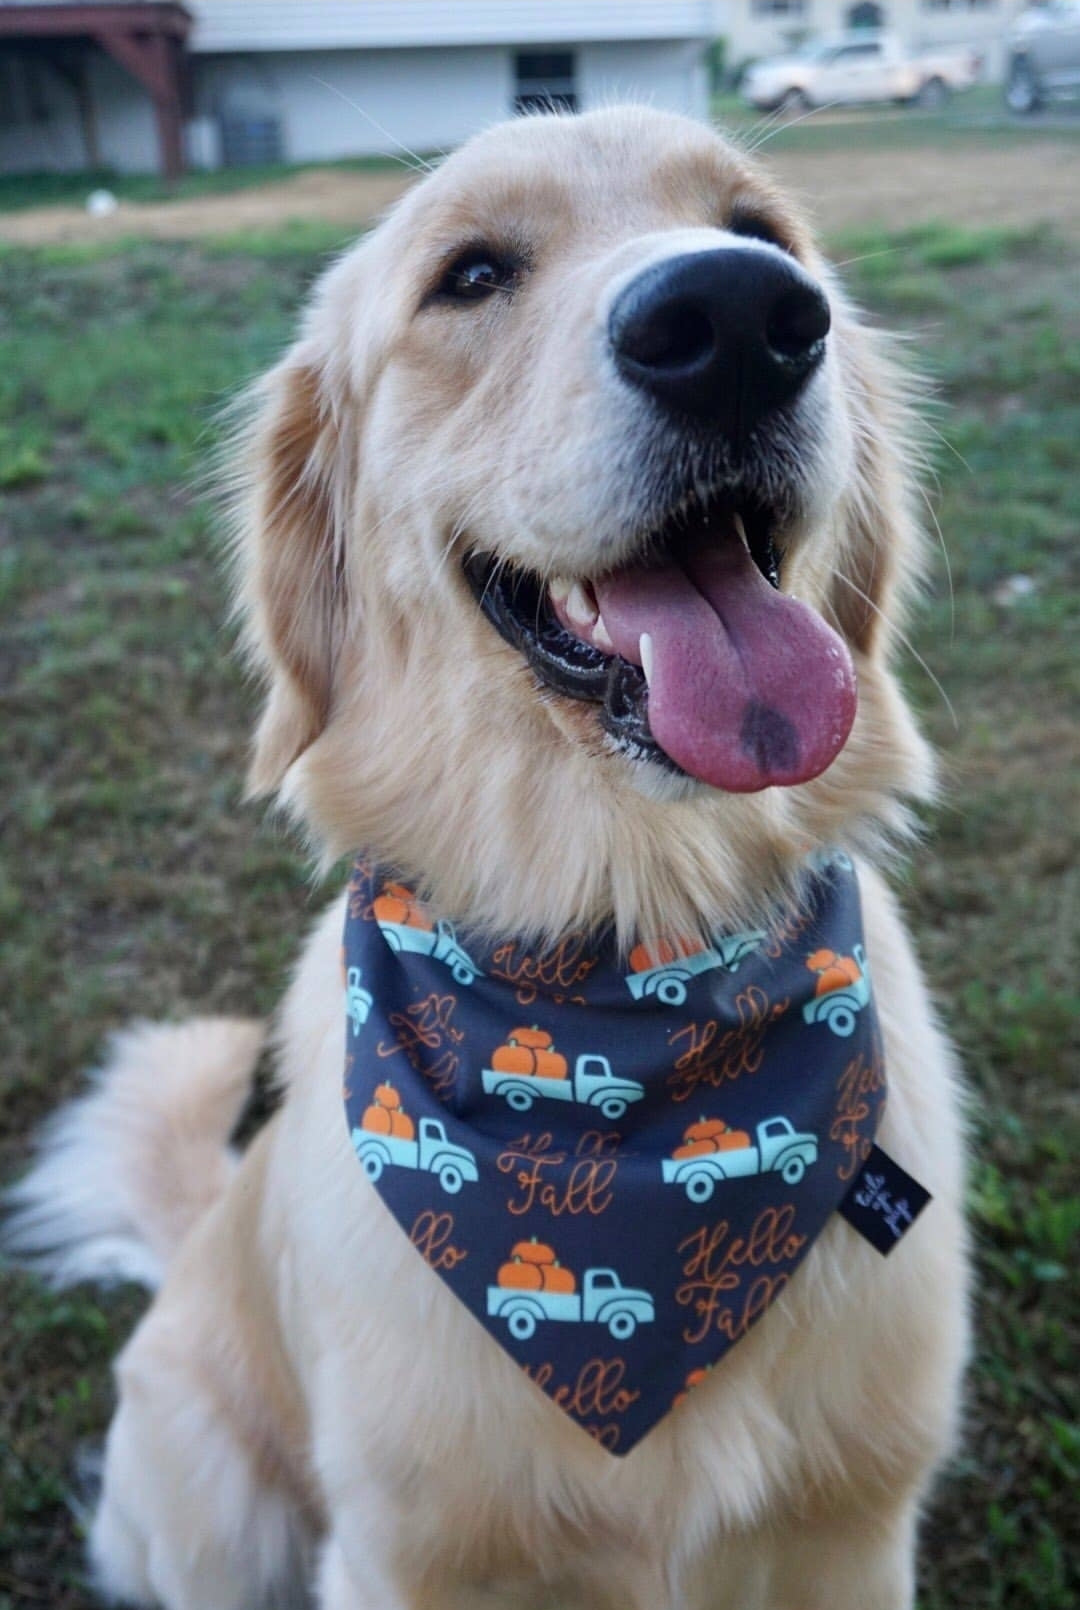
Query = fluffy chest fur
x=834 y=1398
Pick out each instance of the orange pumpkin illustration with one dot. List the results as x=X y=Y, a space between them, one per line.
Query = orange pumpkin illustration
x=556 y=1278
x=711 y=1135
x=401 y=1125
x=536 y=1039
x=512 y=1058
x=645 y=957
x=834 y=972
x=521 y=1275
x=733 y=1141
x=398 y=905
x=530 y=1051
x=706 y=1129
x=533 y=1251
x=385 y=1117
x=377 y=1119
x=695 y=1378
x=694 y=1148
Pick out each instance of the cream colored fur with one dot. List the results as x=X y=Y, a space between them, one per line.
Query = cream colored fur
x=305 y=1408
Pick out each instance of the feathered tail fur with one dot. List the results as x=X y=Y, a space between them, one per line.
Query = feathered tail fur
x=124 y=1171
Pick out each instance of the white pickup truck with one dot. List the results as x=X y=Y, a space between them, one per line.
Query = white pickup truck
x=864 y=66
x=433 y=1153
x=593 y=1085
x=603 y=1301
x=780 y=1148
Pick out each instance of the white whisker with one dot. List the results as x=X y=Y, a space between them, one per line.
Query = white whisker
x=906 y=641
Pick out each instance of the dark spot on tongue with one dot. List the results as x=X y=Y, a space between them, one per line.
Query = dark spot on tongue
x=769 y=739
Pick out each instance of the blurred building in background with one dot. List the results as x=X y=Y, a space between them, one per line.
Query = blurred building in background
x=151 y=83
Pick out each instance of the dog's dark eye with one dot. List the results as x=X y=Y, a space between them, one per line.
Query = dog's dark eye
x=475 y=275
x=751 y=224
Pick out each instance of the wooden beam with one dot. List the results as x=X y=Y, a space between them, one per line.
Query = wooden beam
x=61 y=20
x=154 y=60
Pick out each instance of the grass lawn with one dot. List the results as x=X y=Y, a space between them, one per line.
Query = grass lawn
x=133 y=881
x=975 y=117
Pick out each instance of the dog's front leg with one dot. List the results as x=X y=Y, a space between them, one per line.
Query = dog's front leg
x=342 y=1587
x=856 y=1559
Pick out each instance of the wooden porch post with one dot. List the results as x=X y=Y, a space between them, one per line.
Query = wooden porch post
x=154 y=59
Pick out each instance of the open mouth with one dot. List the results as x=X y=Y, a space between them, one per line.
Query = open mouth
x=695 y=658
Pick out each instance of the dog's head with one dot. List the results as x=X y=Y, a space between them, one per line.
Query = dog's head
x=572 y=529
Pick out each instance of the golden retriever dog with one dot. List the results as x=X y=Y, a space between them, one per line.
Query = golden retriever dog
x=592 y=372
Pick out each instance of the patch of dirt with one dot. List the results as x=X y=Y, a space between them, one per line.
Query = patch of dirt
x=972 y=184
x=326 y=195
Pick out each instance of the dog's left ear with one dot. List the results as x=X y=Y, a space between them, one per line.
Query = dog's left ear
x=882 y=540
x=292 y=514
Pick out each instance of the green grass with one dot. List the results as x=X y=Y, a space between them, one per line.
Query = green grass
x=976 y=118
x=132 y=879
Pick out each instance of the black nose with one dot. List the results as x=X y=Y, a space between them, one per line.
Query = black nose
x=725 y=336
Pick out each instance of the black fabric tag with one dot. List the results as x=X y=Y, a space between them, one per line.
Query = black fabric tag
x=884 y=1201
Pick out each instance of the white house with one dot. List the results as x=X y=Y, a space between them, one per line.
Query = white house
x=265 y=80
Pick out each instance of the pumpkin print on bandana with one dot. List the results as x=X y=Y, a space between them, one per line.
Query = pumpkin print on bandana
x=615 y=1163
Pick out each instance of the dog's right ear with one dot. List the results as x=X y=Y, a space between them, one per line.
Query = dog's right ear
x=292 y=494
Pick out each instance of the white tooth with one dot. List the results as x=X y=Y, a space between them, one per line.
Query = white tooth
x=578 y=607
x=740 y=530
x=559 y=589
x=601 y=636
x=645 y=650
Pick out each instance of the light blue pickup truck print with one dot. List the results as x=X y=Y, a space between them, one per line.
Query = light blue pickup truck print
x=832 y=860
x=669 y=981
x=593 y=1085
x=433 y=1153
x=780 y=1149
x=603 y=1300
x=838 y=1008
x=358 y=1000
x=440 y=942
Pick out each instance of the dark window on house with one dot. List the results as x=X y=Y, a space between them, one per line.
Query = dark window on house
x=545 y=81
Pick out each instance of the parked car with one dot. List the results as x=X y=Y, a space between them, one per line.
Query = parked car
x=1043 y=56
x=859 y=67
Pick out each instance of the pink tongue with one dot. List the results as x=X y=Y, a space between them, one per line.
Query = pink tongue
x=748 y=687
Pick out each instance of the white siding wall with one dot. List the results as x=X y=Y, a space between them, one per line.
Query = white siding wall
x=339 y=103
x=289 y=25
x=670 y=74
x=426 y=99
